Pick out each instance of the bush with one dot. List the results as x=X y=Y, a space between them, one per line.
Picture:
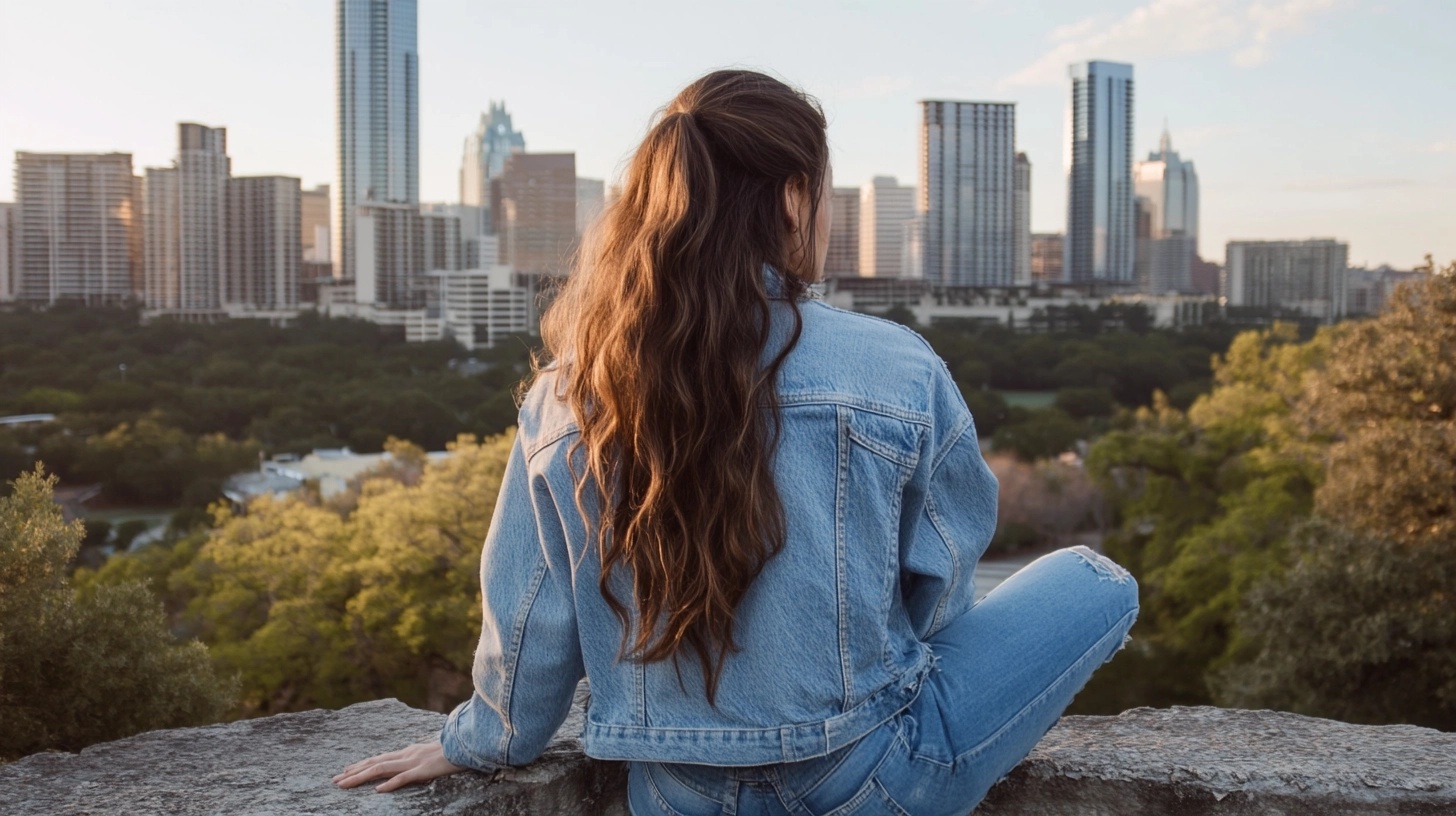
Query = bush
x=1082 y=403
x=78 y=668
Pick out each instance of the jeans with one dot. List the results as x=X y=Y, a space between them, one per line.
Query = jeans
x=1004 y=672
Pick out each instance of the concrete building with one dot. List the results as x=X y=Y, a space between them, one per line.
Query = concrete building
x=1021 y=223
x=884 y=209
x=1046 y=257
x=968 y=192
x=313 y=224
x=73 y=230
x=1101 y=241
x=842 y=257
x=377 y=108
x=264 y=253
x=477 y=307
x=591 y=198
x=486 y=149
x=533 y=203
x=186 y=223
x=1370 y=289
x=1166 y=187
x=397 y=246
x=1309 y=277
x=7 y=242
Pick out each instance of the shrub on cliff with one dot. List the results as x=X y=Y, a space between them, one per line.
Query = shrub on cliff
x=83 y=667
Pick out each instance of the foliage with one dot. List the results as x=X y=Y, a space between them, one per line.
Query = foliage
x=194 y=401
x=372 y=594
x=1294 y=532
x=1359 y=629
x=1363 y=626
x=79 y=667
x=1042 y=502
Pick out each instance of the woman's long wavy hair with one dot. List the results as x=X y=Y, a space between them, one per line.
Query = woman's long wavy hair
x=659 y=336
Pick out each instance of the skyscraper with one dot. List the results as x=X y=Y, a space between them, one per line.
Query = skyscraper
x=533 y=202
x=398 y=247
x=841 y=260
x=1168 y=186
x=1021 y=222
x=75 y=215
x=1101 y=241
x=486 y=149
x=263 y=247
x=186 y=208
x=968 y=193
x=885 y=207
x=378 y=113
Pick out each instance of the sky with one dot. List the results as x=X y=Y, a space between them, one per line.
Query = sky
x=1305 y=118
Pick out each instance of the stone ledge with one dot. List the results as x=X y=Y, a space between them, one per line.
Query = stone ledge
x=1188 y=761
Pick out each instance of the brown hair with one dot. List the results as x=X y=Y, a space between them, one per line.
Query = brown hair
x=659 y=334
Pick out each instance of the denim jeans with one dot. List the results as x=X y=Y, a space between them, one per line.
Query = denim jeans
x=1004 y=672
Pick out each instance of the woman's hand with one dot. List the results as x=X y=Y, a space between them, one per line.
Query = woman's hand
x=417 y=763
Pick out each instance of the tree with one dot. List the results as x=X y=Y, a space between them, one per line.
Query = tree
x=1362 y=626
x=78 y=668
x=370 y=595
x=1358 y=629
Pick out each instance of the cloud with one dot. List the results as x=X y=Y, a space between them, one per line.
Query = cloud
x=1348 y=185
x=1442 y=147
x=1165 y=28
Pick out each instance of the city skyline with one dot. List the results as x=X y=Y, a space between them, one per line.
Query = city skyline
x=1286 y=105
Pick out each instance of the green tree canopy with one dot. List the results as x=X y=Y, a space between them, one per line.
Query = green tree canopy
x=83 y=667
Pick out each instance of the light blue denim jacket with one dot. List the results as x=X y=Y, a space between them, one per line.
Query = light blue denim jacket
x=889 y=505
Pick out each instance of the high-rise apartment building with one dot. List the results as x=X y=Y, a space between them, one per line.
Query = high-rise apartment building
x=186 y=223
x=1101 y=238
x=1046 y=257
x=377 y=103
x=264 y=253
x=74 y=222
x=533 y=202
x=841 y=260
x=968 y=192
x=313 y=224
x=1021 y=222
x=1167 y=190
x=885 y=207
x=591 y=197
x=398 y=246
x=1309 y=277
x=7 y=241
x=486 y=149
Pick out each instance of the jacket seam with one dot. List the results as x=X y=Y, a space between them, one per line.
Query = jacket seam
x=517 y=631
x=955 y=562
x=841 y=578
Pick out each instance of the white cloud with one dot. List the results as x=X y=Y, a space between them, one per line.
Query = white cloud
x=1163 y=28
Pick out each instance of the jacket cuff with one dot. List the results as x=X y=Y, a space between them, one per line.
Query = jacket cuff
x=456 y=739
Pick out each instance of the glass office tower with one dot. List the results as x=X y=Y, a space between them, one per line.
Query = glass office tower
x=1101 y=236
x=378 y=108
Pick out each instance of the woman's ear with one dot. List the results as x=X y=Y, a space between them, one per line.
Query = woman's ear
x=796 y=203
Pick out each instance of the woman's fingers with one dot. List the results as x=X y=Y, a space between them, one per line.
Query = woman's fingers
x=399 y=780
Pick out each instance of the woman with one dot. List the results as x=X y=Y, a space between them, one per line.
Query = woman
x=751 y=519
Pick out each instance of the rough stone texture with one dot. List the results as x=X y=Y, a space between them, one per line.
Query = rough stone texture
x=282 y=765
x=1187 y=761
x=1196 y=761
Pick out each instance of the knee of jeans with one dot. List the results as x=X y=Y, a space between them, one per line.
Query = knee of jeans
x=1109 y=571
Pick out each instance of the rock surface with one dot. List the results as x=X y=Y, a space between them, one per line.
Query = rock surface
x=1187 y=761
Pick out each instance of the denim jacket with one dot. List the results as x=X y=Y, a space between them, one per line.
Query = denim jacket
x=889 y=506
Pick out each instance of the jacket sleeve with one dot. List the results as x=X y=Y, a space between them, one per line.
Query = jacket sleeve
x=528 y=660
x=950 y=508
